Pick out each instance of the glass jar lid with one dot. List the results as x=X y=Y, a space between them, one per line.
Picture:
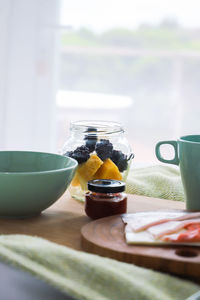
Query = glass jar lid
x=106 y=186
x=96 y=127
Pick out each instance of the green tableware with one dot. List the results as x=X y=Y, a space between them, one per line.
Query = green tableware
x=187 y=155
x=32 y=181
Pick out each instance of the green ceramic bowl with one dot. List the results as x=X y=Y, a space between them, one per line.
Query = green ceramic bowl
x=32 y=181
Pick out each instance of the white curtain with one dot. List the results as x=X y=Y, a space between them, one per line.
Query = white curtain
x=28 y=64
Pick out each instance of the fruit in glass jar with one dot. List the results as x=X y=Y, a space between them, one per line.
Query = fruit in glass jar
x=90 y=142
x=75 y=181
x=91 y=129
x=91 y=138
x=120 y=159
x=108 y=170
x=104 y=149
x=81 y=154
x=97 y=160
x=86 y=171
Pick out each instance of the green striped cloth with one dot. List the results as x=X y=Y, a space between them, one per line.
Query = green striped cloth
x=90 y=277
x=156 y=181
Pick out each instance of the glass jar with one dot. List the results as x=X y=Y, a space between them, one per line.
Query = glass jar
x=102 y=152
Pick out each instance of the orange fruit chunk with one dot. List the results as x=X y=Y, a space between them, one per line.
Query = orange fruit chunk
x=108 y=170
x=87 y=170
x=75 y=181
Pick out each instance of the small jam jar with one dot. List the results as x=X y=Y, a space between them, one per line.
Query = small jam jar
x=105 y=198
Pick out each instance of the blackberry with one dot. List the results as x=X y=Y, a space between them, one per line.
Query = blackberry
x=104 y=149
x=69 y=153
x=81 y=154
x=91 y=139
x=91 y=129
x=90 y=142
x=120 y=159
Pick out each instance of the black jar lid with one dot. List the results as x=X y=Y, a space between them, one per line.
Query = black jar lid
x=106 y=186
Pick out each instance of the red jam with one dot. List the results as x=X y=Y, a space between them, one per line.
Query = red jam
x=105 y=198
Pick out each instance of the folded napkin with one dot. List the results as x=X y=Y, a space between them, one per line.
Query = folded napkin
x=88 y=276
x=156 y=181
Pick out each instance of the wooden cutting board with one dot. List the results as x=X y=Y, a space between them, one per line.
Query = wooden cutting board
x=105 y=237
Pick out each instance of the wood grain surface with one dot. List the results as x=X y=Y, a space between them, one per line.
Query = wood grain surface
x=62 y=222
x=106 y=238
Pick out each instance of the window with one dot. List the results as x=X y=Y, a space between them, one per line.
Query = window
x=136 y=62
x=132 y=61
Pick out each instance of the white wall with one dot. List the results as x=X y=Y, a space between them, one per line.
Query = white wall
x=28 y=52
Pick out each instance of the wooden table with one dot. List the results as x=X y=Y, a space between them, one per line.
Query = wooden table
x=62 y=222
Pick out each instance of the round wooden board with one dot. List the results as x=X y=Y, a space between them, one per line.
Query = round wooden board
x=105 y=237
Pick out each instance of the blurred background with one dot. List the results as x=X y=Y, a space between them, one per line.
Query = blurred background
x=132 y=61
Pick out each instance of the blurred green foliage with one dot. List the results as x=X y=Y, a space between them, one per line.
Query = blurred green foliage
x=167 y=35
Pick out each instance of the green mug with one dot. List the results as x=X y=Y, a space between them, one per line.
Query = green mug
x=187 y=155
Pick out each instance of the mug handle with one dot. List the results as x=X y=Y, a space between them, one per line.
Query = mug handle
x=174 y=161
